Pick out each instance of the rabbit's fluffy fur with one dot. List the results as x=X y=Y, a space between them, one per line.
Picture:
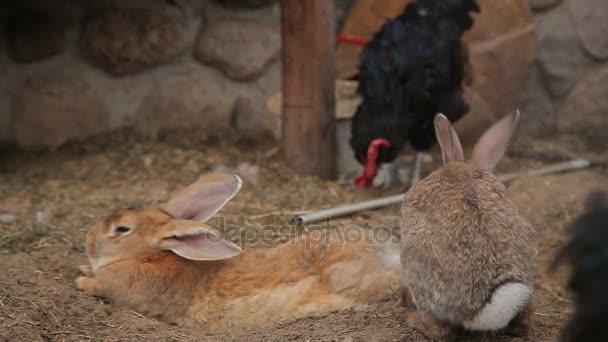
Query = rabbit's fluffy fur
x=468 y=257
x=163 y=263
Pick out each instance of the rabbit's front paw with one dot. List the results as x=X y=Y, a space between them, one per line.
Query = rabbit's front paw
x=90 y=286
x=406 y=299
x=86 y=270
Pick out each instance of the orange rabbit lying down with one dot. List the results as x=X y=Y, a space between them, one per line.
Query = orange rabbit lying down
x=166 y=263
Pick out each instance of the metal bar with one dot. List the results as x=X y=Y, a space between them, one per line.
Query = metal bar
x=348 y=209
x=574 y=164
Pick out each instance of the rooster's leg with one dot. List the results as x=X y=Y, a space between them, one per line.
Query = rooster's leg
x=388 y=176
x=415 y=172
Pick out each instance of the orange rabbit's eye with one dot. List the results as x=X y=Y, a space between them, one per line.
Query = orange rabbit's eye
x=121 y=230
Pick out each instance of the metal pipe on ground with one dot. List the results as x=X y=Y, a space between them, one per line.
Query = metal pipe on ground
x=344 y=210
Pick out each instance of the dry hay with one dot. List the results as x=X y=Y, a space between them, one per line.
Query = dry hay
x=57 y=196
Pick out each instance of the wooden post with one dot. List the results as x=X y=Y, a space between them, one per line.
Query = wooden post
x=309 y=134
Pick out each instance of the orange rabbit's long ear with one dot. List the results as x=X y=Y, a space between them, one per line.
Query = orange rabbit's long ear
x=202 y=199
x=192 y=240
x=491 y=146
x=451 y=150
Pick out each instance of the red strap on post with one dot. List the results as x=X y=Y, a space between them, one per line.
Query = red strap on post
x=352 y=40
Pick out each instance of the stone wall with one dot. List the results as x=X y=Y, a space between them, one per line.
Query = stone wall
x=568 y=89
x=74 y=69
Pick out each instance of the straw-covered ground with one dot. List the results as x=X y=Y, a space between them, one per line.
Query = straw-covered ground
x=56 y=196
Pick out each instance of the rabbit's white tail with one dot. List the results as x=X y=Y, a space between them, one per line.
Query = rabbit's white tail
x=506 y=302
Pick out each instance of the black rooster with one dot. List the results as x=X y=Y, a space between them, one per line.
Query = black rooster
x=412 y=69
x=587 y=253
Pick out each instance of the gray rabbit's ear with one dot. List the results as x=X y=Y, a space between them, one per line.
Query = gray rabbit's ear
x=491 y=146
x=451 y=149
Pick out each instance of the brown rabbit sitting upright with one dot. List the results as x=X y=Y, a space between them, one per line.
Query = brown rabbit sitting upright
x=166 y=263
x=468 y=257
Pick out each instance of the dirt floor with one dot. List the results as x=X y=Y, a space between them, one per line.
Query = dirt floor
x=57 y=196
